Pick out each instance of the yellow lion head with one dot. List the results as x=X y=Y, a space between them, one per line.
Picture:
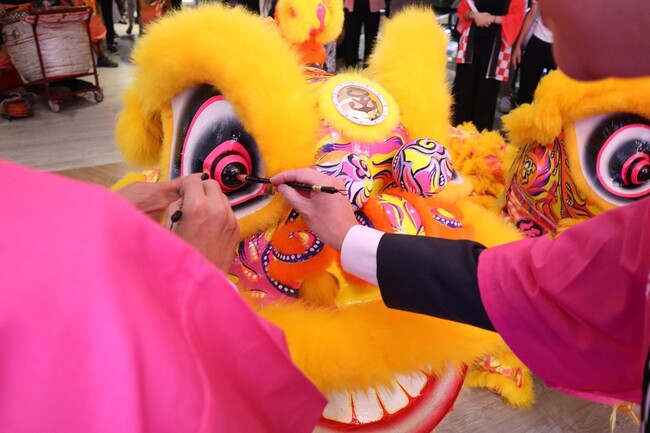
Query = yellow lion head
x=584 y=148
x=219 y=89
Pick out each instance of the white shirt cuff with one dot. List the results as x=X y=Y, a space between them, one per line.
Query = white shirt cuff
x=359 y=252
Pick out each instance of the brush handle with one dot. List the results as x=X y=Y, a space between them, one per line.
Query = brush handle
x=316 y=188
x=300 y=185
x=253 y=179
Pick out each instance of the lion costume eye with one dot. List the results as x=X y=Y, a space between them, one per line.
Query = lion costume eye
x=209 y=138
x=615 y=156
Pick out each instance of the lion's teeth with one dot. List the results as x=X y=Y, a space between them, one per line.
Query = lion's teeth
x=393 y=399
x=413 y=383
x=373 y=404
x=339 y=407
x=366 y=406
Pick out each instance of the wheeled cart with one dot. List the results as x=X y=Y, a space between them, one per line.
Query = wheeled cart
x=51 y=48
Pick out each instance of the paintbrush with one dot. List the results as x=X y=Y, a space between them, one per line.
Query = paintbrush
x=299 y=185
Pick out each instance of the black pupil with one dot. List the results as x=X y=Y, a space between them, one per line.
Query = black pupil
x=644 y=174
x=230 y=173
x=626 y=161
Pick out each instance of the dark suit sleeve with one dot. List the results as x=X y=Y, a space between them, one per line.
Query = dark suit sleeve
x=436 y=277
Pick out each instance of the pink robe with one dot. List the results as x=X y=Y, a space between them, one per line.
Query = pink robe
x=109 y=323
x=575 y=310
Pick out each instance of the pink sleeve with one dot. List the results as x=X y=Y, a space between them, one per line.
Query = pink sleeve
x=109 y=323
x=575 y=309
x=512 y=21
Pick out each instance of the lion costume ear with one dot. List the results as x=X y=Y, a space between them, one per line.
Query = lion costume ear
x=539 y=123
x=415 y=76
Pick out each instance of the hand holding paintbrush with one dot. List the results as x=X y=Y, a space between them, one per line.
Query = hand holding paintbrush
x=233 y=177
x=298 y=185
x=329 y=216
x=206 y=220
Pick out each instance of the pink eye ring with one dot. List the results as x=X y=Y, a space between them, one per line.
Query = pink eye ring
x=226 y=161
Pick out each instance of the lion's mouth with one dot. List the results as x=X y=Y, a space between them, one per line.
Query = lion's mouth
x=414 y=403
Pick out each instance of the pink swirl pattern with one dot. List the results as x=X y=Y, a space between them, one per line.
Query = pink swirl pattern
x=354 y=170
x=422 y=166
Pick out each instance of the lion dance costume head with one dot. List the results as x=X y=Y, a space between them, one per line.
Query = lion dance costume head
x=584 y=148
x=223 y=91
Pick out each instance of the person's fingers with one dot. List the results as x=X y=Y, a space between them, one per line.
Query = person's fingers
x=192 y=188
x=172 y=185
x=175 y=205
x=285 y=176
x=304 y=175
x=171 y=196
x=337 y=182
x=172 y=209
x=292 y=196
x=212 y=188
x=329 y=216
x=216 y=197
x=309 y=176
